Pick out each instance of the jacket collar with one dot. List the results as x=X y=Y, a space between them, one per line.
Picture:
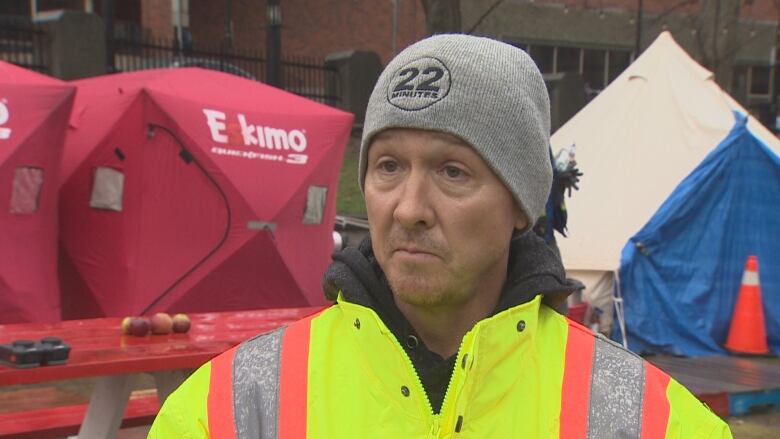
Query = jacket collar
x=500 y=350
x=534 y=270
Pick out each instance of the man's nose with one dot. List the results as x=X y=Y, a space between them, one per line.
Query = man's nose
x=414 y=209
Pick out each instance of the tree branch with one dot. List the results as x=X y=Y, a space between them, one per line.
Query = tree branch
x=486 y=13
x=678 y=5
x=740 y=44
x=442 y=16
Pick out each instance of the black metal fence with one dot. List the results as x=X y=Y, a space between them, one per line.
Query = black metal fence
x=23 y=43
x=303 y=76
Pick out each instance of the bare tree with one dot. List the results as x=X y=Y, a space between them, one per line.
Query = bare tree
x=445 y=16
x=484 y=15
x=715 y=28
x=717 y=37
x=442 y=16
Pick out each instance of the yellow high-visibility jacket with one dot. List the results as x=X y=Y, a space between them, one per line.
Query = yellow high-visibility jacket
x=526 y=372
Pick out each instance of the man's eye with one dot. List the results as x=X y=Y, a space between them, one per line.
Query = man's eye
x=453 y=172
x=388 y=166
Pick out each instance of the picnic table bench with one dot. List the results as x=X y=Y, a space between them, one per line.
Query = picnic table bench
x=99 y=350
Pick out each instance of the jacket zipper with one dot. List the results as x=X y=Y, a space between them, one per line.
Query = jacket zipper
x=436 y=418
x=435 y=427
x=448 y=391
x=458 y=359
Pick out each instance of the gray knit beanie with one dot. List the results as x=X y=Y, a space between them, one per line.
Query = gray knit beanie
x=486 y=92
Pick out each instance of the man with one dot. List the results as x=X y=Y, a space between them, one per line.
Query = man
x=440 y=327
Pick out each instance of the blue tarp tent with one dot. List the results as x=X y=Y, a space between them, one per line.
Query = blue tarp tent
x=681 y=273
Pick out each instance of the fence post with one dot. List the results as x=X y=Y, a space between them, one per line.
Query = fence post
x=358 y=71
x=108 y=32
x=77 y=47
x=273 y=39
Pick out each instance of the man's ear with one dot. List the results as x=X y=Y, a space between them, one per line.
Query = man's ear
x=521 y=221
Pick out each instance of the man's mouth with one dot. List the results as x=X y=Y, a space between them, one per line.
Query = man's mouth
x=413 y=252
x=412 y=249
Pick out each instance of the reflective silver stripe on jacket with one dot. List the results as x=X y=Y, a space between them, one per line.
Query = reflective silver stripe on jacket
x=616 y=389
x=616 y=392
x=256 y=386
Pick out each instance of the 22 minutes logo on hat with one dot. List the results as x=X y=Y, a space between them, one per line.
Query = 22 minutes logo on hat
x=419 y=84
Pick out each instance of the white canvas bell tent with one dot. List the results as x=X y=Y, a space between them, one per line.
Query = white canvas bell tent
x=635 y=142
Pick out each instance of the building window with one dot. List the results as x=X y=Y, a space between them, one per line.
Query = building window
x=26 y=191
x=598 y=67
x=568 y=60
x=544 y=57
x=521 y=46
x=759 y=80
x=180 y=9
x=47 y=5
x=593 y=68
x=739 y=80
x=619 y=60
x=180 y=17
x=15 y=8
x=754 y=82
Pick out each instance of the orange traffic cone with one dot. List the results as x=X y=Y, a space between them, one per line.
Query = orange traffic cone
x=747 y=334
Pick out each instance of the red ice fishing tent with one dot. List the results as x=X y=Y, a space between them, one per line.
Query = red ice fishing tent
x=34 y=112
x=193 y=190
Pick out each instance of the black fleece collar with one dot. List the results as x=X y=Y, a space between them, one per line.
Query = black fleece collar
x=533 y=269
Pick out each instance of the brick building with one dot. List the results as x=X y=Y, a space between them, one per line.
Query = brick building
x=313 y=28
x=596 y=38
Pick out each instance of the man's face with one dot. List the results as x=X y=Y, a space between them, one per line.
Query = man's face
x=440 y=219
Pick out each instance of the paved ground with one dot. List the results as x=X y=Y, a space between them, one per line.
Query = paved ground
x=140 y=433
x=764 y=426
x=761 y=426
x=758 y=426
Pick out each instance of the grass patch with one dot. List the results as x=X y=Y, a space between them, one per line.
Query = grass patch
x=349 y=199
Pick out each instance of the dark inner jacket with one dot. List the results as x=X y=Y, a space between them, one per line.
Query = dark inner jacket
x=533 y=269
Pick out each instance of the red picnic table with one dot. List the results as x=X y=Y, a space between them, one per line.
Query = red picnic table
x=99 y=350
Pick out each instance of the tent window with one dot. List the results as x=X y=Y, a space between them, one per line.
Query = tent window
x=108 y=188
x=315 y=205
x=26 y=191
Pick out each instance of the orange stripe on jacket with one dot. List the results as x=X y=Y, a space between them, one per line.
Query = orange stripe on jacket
x=220 y=400
x=294 y=380
x=655 y=407
x=575 y=394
